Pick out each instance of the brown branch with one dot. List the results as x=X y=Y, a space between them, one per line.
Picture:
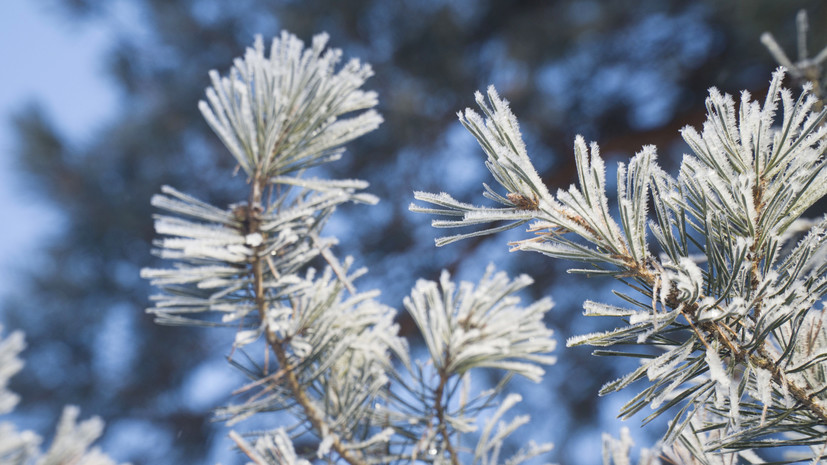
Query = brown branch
x=300 y=396
x=639 y=270
x=247 y=449
x=252 y=225
x=801 y=395
x=763 y=359
x=440 y=416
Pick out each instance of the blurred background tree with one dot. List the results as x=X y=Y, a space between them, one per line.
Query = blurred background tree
x=624 y=73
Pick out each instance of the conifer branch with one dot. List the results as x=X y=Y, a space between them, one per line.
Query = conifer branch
x=442 y=422
x=278 y=116
x=297 y=390
x=734 y=302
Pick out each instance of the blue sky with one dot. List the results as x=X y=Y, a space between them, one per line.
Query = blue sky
x=59 y=65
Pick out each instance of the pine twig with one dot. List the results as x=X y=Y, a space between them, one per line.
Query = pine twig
x=440 y=416
x=288 y=371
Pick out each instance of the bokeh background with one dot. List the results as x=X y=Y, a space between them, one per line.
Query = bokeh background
x=98 y=109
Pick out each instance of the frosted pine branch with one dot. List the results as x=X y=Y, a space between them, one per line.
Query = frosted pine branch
x=72 y=442
x=471 y=327
x=725 y=301
x=282 y=113
x=719 y=293
x=333 y=360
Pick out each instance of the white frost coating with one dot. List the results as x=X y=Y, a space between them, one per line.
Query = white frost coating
x=734 y=406
x=170 y=226
x=693 y=280
x=592 y=308
x=214 y=253
x=187 y=274
x=10 y=364
x=272 y=448
x=718 y=374
x=732 y=201
x=188 y=205
x=242 y=338
x=253 y=240
x=253 y=109
x=728 y=284
x=325 y=444
x=487 y=449
x=71 y=443
x=633 y=199
x=381 y=437
x=500 y=138
x=72 y=440
x=789 y=401
x=466 y=327
x=616 y=451
x=763 y=381
x=716 y=367
x=13 y=443
x=668 y=361
x=589 y=201
x=786 y=158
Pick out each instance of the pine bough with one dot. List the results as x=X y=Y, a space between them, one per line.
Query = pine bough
x=72 y=440
x=726 y=303
x=314 y=346
x=724 y=299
